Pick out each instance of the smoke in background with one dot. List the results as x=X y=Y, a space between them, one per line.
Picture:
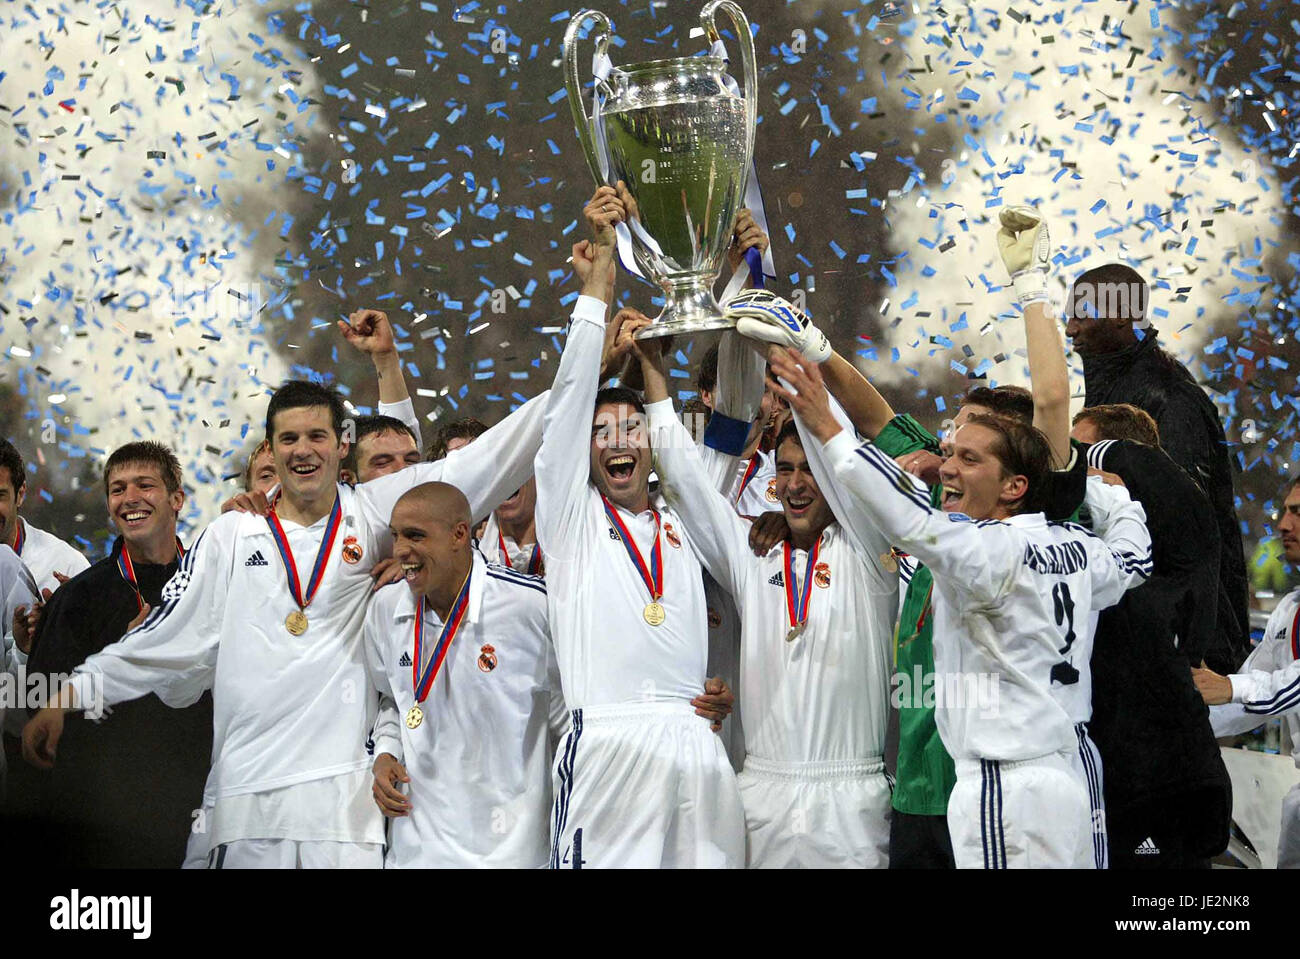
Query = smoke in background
x=145 y=149
x=889 y=135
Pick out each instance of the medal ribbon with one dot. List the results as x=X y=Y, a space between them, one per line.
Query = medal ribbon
x=127 y=569
x=652 y=575
x=534 y=561
x=322 y=555
x=750 y=471
x=423 y=682
x=796 y=603
x=21 y=537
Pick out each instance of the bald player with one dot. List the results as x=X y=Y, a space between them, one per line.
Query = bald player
x=469 y=691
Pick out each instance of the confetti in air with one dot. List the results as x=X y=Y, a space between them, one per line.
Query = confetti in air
x=191 y=193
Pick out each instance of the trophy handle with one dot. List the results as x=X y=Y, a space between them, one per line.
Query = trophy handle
x=574 y=85
x=749 y=62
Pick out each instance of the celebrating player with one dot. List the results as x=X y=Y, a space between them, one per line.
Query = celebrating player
x=1012 y=595
x=640 y=780
x=470 y=701
x=267 y=611
x=50 y=560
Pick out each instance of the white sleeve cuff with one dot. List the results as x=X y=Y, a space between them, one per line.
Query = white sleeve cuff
x=591 y=309
x=839 y=446
x=1239 y=687
x=393 y=747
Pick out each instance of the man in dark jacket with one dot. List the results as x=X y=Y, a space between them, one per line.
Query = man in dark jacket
x=1168 y=797
x=1105 y=312
x=125 y=790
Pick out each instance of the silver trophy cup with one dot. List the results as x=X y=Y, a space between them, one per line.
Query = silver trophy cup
x=682 y=143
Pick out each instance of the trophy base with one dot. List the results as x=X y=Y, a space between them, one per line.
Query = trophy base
x=690 y=309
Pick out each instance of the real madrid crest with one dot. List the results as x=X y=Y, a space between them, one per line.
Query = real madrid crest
x=487 y=658
x=771 y=491
x=822 y=575
x=351 y=550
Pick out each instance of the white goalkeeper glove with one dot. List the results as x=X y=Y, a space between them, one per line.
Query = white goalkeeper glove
x=762 y=315
x=1025 y=248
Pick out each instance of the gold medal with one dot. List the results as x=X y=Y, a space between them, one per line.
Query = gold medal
x=654 y=614
x=414 y=716
x=296 y=622
x=794 y=633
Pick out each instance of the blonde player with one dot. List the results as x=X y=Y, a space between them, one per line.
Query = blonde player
x=817 y=619
x=267 y=611
x=470 y=701
x=1013 y=597
x=640 y=780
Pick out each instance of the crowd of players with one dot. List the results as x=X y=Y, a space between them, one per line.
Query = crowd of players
x=605 y=633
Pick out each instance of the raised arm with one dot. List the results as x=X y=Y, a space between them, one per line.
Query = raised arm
x=1121 y=525
x=370 y=332
x=563 y=464
x=1025 y=249
x=981 y=558
x=720 y=537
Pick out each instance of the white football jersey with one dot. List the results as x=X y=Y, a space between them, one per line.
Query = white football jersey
x=44 y=554
x=824 y=695
x=479 y=761
x=289 y=709
x=1268 y=683
x=1012 y=601
x=608 y=653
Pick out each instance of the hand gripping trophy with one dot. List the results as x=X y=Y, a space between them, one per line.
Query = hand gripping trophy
x=681 y=139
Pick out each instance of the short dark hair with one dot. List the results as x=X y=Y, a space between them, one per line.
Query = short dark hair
x=788 y=432
x=706 y=377
x=465 y=428
x=1014 y=401
x=297 y=394
x=1113 y=290
x=369 y=426
x=1121 y=421
x=1023 y=451
x=148 y=452
x=262 y=447
x=12 y=460
x=616 y=395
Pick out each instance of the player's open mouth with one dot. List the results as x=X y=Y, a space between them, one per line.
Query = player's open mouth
x=798 y=504
x=950 y=496
x=305 y=469
x=411 y=570
x=620 y=467
x=135 y=517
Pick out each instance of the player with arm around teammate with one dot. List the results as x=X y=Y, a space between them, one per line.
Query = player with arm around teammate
x=1013 y=596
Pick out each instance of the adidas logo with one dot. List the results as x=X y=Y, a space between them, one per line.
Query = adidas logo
x=257 y=559
x=1148 y=848
x=777 y=580
x=405 y=660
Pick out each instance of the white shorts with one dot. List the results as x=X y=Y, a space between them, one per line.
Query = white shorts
x=1288 y=841
x=292 y=854
x=644 y=786
x=1032 y=814
x=1087 y=766
x=818 y=815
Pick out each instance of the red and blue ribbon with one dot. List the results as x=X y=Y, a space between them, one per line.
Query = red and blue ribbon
x=322 y=555
x=20 y=537
x=127 y=569
x=534 y=561
x=423 y=682
x=750 y=471
x=653 y=574
x=796 y=600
